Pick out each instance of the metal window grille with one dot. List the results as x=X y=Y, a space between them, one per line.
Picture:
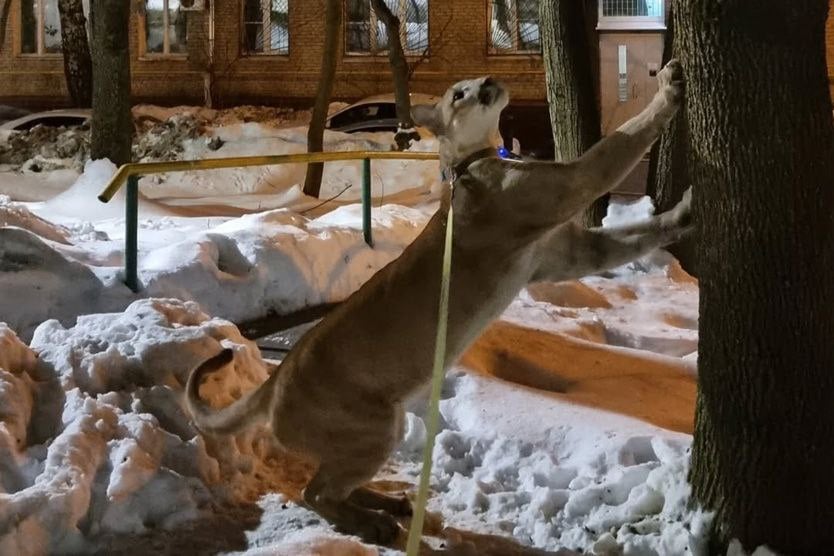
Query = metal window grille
x=636 y=14
x=514 y=26
x=266 y=26
x=365 y=33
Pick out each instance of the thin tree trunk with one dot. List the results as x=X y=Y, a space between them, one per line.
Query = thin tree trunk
x=78 y=66
x=762 y=167
x=112 y=124
x=399 y=72
x=574 y=113
x=315 y=134
x=668 y=166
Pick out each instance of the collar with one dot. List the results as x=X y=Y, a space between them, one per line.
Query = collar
x=451 y=174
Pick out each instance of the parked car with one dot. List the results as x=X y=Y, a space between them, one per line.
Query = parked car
x=376 y=113
x=11 y=113
x=51 y=118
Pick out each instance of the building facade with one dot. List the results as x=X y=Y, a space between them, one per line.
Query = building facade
x=270 y=51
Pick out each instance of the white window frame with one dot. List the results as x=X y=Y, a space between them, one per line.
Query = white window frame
x=266 y=21
x=515 y=34
x=632 y=23
x=166 y=38
x=375 y=23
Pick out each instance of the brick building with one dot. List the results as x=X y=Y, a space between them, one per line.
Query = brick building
x=269 y=51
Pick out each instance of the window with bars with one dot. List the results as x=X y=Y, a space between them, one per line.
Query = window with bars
x=166 y=27
x=40 y=26
x=366 y=34
x=514 y=27
x=266 y=27
x=631 y=14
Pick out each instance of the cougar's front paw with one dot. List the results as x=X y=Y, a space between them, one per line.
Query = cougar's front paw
x=671 y=81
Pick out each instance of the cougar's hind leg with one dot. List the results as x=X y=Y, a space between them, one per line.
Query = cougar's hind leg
x=329 y=494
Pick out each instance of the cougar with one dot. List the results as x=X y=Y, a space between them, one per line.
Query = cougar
x=338 y=395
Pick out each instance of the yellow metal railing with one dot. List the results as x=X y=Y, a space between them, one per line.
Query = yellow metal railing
x=130 y=173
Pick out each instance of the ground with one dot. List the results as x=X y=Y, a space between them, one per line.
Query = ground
x=565 y=428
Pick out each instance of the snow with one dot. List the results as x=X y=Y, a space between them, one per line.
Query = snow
x=103 y=398
x=566 y=427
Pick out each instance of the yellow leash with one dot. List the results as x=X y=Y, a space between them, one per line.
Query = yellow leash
x=415 y=532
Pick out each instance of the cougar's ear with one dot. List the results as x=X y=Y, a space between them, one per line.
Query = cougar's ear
x=428 y=116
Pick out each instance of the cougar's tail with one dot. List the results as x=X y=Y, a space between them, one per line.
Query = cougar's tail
x=249 y=409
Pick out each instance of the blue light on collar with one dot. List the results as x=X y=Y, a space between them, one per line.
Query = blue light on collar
x=503 y=152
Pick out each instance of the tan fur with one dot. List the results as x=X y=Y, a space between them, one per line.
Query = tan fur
x=338 y=395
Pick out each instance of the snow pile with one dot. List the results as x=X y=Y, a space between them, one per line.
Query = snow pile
x=80 y=201
x=17 y=215
x=240 y=269
x=111 y=449
x=566 y=481
x=45 y=148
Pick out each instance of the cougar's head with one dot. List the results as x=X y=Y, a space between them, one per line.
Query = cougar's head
x=466 y=118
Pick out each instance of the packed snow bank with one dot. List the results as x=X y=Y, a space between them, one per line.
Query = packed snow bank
x=111 y=448
x=240 y=269
x=80 y=201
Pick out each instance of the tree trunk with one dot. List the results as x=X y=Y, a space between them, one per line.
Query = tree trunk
x=668 y=170
x=762 y=167
x=112 y=123
x=315 y=134
x=399 y=71
x=78 y=66
x=574 y=113
x=5 y=8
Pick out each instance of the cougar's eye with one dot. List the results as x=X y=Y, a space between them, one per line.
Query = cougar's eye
x=457 y=96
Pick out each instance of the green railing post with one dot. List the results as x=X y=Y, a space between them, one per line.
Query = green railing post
x=366 y=201
x=132 y=233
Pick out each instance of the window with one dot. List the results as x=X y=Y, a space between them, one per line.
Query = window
x=366 y=34
x=514 y=27
x=631 y=14
x=166 y=27
x=266 y=27
x=40 y=26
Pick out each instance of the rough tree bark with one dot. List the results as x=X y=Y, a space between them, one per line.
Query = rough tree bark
x=571 y=95
x=762 y=167
x=112 y=124
x=5 y=8
x=399 y=72
x=315 y=134
x=78 y=65
x=668 y=170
